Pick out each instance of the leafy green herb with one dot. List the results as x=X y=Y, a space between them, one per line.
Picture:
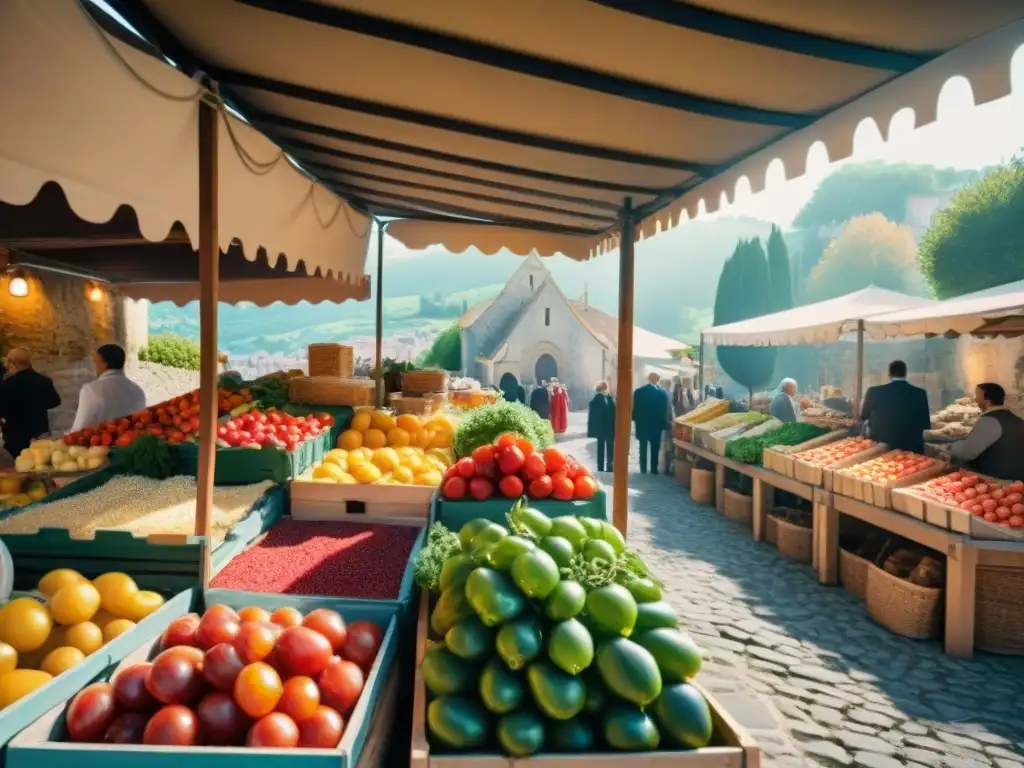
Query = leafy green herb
x=148 y=456
x=439 y=546
x=750 y=450
x=482 y=426
x=599 y=572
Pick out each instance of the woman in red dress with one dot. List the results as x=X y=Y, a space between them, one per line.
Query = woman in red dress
x=559 y=409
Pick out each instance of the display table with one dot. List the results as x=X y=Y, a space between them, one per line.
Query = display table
x=455 y=514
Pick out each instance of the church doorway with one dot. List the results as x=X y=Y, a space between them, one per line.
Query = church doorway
x=546 y=368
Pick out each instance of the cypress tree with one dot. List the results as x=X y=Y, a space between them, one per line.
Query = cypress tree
x=778 y=267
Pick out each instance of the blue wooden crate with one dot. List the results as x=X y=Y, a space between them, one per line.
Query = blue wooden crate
x=35 y=747
x=455 y=514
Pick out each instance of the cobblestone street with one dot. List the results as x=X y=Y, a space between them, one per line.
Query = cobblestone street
x=801 y=665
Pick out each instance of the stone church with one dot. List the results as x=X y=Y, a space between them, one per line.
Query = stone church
x=532 y=332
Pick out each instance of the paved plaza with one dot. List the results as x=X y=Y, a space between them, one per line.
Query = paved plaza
x=801 y=665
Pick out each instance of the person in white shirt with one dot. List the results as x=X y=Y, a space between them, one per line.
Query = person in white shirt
x=112 y=394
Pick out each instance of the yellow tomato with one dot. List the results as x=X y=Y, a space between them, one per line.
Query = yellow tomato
x=8 y=658
x=382 y=420
x=444 y=455
x=398 y=437
x=61 y=659
x=144 y=603
x=20 y=683
x=413 y=461
x=116 y=591
x=86 y=637
x=52 y=582
x=409 y=422
x=361 y=421
x=366 y=473
x=329 y=472
x=26 y=624
x=374 y=439
x=424 y=437
x=441 y=439
x=75 y=603
x=115 y=628
x=403 y=475
x=386 y=459
x=430 y=477
x=350 y=439
x=337 y=456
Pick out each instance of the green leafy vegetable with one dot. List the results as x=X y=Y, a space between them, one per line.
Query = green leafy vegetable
x=482 y=426
x=270 y=393
x=148 y=456
x=750 y=450
x=439 y=546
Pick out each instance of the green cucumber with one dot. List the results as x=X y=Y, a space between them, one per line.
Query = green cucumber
x=678 y=657
x=445 y=673
x=684 y=716
x=560 y=696
x=518 y=642
x=458 y=722
x=493 y=596
x=501 y=690
x=570 y=647
x=469 y=639
x=629 y=670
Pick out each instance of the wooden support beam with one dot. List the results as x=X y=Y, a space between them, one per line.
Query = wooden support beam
x=624 y=373
x=209 y=278
x=379 y=338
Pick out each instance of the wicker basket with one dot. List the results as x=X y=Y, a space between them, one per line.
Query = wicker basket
x=472 y=398
x=903 y=608
x=331 y=360
x=771 y=530
x=853 y=573
x=427 y=380
x=329 y=390
x=702 y=486
x=794 y=541
x=999 y=612
x=739 y=508
x=428 y=405
x=683 y=467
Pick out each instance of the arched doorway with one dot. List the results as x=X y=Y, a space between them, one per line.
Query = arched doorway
x=546 y=368
x=509 y=386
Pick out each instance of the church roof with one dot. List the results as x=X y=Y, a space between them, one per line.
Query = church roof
x=469 y=317
x=645 y=343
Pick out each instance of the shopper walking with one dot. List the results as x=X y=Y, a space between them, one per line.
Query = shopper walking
x=651 y=409
x=601 y=425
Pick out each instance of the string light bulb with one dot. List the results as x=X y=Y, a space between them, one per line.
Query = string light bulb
x=18 y=286
x=94 y=293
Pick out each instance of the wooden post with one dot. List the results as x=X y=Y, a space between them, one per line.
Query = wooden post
x=961 y=585
x=379 y=339
x=624 y=386
x=826 y=537
x=763 y=501
x=700 y=372
x=858 y=396
x=209 y=277
x=720 y=487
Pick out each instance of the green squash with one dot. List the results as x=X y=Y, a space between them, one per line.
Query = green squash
x=520 y=734
x=629 y=729
x=570 y=646
x=493 y=596
x=445 y=673
x=451 y=607
x=458 y=722
x=491 y=533
x=565 y=601
x=612 y=610
x=535 y=521
x=644 y=590
x=456 y=570
x=469 y=639
x=677 y=655
x=574 y=736
x=568 y=527
x=501 y=689
x=560 y=549
x=535 y=573
x=612 y=535
x=591 y=525
x=503 y=553
x=654 y=615
x=629 y=670
x=560 y=696
x=596 y=549
x=518 y=642
x=471 y=529
x=684 y=716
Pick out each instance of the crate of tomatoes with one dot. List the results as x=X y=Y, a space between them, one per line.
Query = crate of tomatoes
x=480 y=485
x=229 y=683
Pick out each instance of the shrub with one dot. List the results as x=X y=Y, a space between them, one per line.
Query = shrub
x=483 y=425
x=172 y=351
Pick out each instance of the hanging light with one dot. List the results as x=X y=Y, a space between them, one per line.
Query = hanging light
x=93 y=292
x=18 y=286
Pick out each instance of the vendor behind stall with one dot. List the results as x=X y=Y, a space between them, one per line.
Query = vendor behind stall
x=785 y=407
x=995 y=446
x=897 y=413
x=111 y=394
x=26 y=396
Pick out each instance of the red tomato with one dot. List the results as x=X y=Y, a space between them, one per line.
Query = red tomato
x=303 y=651
x=258 y=689
x=554 y=460
x=585 y=487
x=534 y=467
x=255 y=640
x=525 y=446
x=221 y=666
x=572 y=469
x=483 y=455
x=506 y=440
x=274 y=730
x=329 y=624
x=299 y=699
x=510 y=460
x=130 y=690
x=221 y=720
x=465 y=468
x=286 y=617
x=511 y=487
x=562 y=487
x=253 y=613
x=173 y=678
x=127 y=728
x=322 y=730
x=541 y=488
x=454 y=488
x=216 y=627
x=91 y=712
x=362 y=644
x=340 y=685
x=219 y=609
x=480 y=488
x=175 y=725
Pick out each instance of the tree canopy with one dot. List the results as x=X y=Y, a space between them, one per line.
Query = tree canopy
x=869 y=251
x=778 y=268
x=977 y=242
x=744 y=291
x=446 y=350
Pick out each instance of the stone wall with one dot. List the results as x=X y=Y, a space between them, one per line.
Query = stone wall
x=61 y=328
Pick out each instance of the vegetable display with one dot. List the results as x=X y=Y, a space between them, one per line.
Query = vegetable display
x=234 y=678
x=39 y=641
x=710 y=409
x=271 y=429
x=140 y=505
x=511 y=467
x=750 y=450
x=55 y=455
x=441 y=544
x=551 y=634
x=996 y=501
x=484 y=425
x=834 y=453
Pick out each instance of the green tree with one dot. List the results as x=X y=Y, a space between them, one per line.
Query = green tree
x=172 y=351
x=744 y=291
x=778 y=268
x=446 y=350
x=977 y=242
x=869 y=251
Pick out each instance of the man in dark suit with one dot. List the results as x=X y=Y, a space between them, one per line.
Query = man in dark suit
x=897 y=413
x=25 y=397
x=652 y=411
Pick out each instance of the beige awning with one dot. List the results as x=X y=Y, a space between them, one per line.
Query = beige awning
x=540 y=117
x=963 y=314
x=262 y=293
x=115 y=126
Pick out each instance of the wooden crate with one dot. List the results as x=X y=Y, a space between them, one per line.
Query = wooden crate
x=738 y=750
x=779 y=458
x=909 y=503
x=331 y=501
x=331 y=360
x=824 y=477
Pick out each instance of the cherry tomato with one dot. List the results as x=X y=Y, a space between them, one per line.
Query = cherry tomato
x=253 y=613
x=174 y=725
x=585 y=487
x=363 y=643
x=255 y=640
x=193 y=654
x=286 y=617
x=127 y=728
x=300 y=698
x=562 y=487
x=258 y=689
x=181 y=631
x=219 y=609
x=340 y=686
x=534 y=467
x=130 y=690
x=91 y=712
x=221 y=721
x=541 y=487
x=173 y=678
x=303 y=651
x=506 y=440
x=322 y=730
x=329 y=624
x=554 y=459
x=216 y=628
x=273 y=730
x=221 y=666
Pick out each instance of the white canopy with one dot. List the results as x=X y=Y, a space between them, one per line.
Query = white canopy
x=963 y=314
x=115 y=126
x=823 y=322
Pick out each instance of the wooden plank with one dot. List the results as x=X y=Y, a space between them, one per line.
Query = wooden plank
x=764 y=500
x=420 y=751
x=901 y=525
x=624 y=375
x=961 y=577
x=720 y=487
x=826 y=539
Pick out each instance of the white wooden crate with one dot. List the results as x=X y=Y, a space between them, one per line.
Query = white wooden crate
x=331 y=501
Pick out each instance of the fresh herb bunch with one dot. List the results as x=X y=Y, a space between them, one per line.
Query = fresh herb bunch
x=439 y=546
x=483 y=425
x=148 y=456
x=750 y=450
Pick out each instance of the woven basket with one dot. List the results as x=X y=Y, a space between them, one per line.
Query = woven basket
x=428 y=405
x=427 y=380
x=331 y=360
x=903 y=608
x=702 y=486
x=999 y=612
x=853 y=573
x=794 y=541
x=739 y=508
x=683 y=469
x=328 y=390
x=472 y=398
x=771 y=530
